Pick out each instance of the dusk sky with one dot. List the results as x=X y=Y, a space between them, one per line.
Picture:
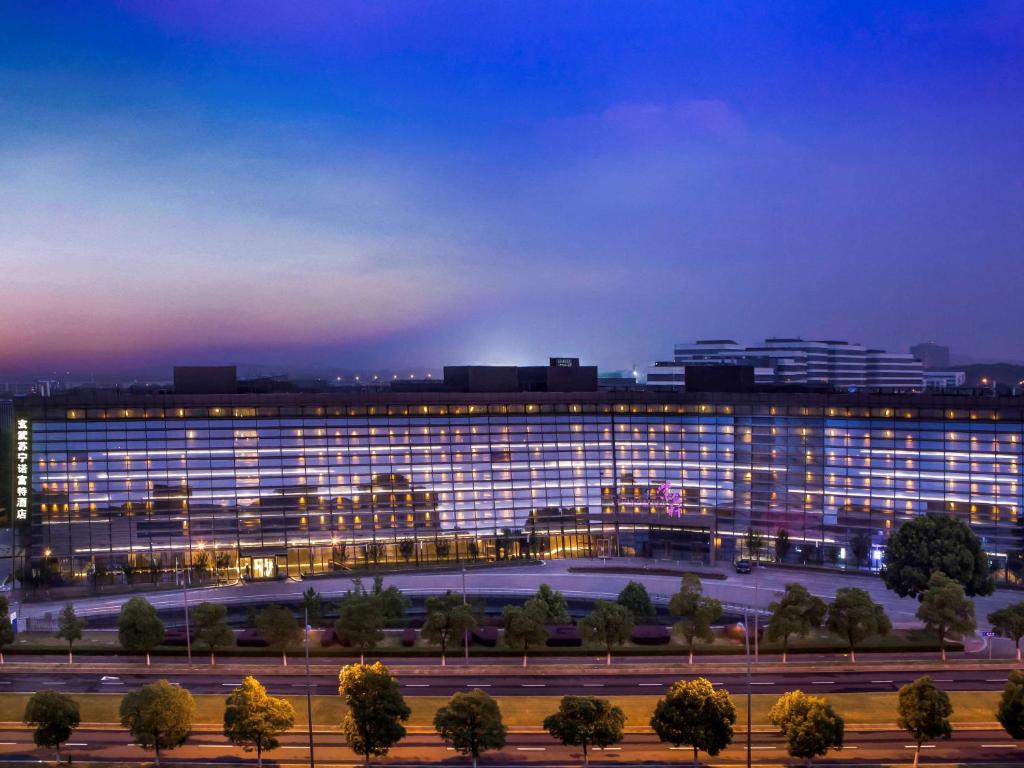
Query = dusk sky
x=419 y=183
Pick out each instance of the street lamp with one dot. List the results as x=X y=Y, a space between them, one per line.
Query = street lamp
x=309 y=696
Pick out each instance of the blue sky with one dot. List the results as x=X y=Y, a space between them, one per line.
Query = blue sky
x=351 y=184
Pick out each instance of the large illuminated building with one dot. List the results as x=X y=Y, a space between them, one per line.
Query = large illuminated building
x=497 y=464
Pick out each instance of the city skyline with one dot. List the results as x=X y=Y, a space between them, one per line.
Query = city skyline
x=337 y=184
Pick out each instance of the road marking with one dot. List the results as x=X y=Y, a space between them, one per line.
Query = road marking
x=54 y=682
x=478 y=685
x=416 y=685
x=231 y=685
x=75 y=744
x=212 y=746
x=764 y=747
x=593 y=685
x=945 y=680
x=998 y=746
x=531 y=749
x=534 y=685
x=305 y=748
x=881 y=681
x=823 y=682
x=8 y=743
x=923 y=746
x=762 y=683
x=996 y=680
x=650 y=685
x=608 y=749
x=5 y=682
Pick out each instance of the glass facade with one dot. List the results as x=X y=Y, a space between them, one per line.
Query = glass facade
x=260 y=486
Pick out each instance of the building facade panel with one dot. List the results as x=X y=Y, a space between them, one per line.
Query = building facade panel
x=259 y=486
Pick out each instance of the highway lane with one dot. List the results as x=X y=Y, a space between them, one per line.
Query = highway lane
x=834 y=680
x=421 y=748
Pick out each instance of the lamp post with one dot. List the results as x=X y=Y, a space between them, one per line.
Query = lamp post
x=465 y=632
x=188 y=631
x=750 y=710
x=309 y=696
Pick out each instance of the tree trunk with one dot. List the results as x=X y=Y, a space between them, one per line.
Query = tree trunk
x=284 y=658
x=586 y=757
x=362 y=660
x=444 y=661
x=691 y=652
x=1018 y=652
x=1 y=657
x=608 y=661
x=853 y=655
x=524 y=659
x=58 y=754
x=366 y=760
x=156 y=751
x=784 y=649
x=213 y=661
x=917 y=754
x=696 y=760
x=147 y=659
x=259 y=757
x=474 y=761
x=71 y=659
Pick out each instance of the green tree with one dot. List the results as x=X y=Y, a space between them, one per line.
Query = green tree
x=1009 y=622
x=211 y=623
x=797 y=612
x=6 y=630
x=944 y=608
x=935 y=543
x=860 y=548
x=406 y=548
x=782 y=545
x=139 y=629
x=695 y=611
x=393 y=604
x=253 y=720
x=809 y=724
x=447 y=618
x=586 y=721
x=608 y=624
x=1010 y=712
x=923 y=711
x=360 y=621
x=312 y=607
x=555 y=607
x=471 y=723
x=755 y=542
x=524 y=627
x=54 y=716
x=634 y=596
x=693 y=714
x=158 y=716
x=854 y=616
x=69 y=628
x=278 y=627
x=375 y=709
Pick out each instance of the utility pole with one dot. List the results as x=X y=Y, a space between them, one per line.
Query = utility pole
x=757 y=607
x=750 y=709
x=309 y=695
x=188 y=631
x=465 y=632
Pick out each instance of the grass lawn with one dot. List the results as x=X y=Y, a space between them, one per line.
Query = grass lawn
x=526 y=711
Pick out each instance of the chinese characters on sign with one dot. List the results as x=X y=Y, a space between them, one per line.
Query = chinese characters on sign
x=663 y=496
x=21 y=463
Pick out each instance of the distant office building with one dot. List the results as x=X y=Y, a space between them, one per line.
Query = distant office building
x=933 y=356
x=785 y=361
x=944 y=379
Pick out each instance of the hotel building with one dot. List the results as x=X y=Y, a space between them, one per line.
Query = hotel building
x=261 y=485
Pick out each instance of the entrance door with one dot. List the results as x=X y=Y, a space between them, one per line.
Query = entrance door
x=264 y=567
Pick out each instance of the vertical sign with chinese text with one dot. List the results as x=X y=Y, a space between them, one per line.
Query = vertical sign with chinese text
x=22 y=476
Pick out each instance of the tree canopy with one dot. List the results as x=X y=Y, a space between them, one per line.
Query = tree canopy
x=69 y=627
x=1010 y=712
x=609 y=624
x=809 y=724
x=211 y=623
x=944 y=608
x=447 y=619
x=853 y=615
x=694 y=714
x=555 y=607
x=53 y=716
x=634 y=596
x=696 y=613
x=797 y=612
x=524 y=627
x=586 y=721
x=923 y=711
x=935 y=543
x=278 y=627
x=158 y=716
x=360 y=621
x=375 y=709
x=253 y=720
x=471 y=723
x=139 y=629
x=1009 y=622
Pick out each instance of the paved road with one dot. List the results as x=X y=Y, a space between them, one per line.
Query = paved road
x=756 y=589
x=835 y=680
x=419 y=749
